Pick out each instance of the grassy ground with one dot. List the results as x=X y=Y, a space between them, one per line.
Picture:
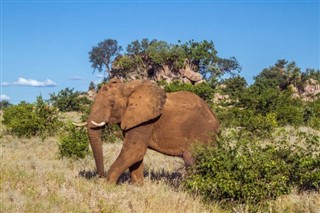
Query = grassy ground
x=34 y=179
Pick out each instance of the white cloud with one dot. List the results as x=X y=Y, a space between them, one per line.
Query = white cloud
x=5 y=84
x=4 y=97
x=34 y=83
x=30 y=83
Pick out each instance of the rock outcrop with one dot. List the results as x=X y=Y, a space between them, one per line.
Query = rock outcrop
x=310 y=90
x=161 y=73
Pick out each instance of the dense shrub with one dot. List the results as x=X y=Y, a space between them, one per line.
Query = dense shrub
x=73 y=142
x=68 y=100
x=272 y=106
x=305 y=161
x=233 y=87
x=28 y=120
x=239 y=168
x=260 y=125
x=112 y=134
x=203 y=90
x=311 y=114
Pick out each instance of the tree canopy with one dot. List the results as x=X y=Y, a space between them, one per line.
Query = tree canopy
x=159 y=60
x=102 y=55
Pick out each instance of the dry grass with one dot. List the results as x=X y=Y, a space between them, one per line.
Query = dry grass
x=34 y=179
x=295 y=202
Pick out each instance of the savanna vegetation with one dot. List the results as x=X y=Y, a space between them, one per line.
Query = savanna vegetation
x=266 y=158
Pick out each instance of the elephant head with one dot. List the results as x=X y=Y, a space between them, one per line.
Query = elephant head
x=128 y=104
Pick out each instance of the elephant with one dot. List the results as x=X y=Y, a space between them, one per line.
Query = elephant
x=149 y=118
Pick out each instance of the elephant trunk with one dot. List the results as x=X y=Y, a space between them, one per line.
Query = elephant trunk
x=96 y=145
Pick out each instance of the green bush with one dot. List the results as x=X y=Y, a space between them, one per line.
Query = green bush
x=311 y=114
x=305 y=162
x=73 y=143
x=260 y=125
x=67 y=100
x=203 y=90
x=238 y=168
x=111 y=134
x=29 y=120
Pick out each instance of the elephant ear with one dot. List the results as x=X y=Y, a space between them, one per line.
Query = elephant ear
x=145 y=102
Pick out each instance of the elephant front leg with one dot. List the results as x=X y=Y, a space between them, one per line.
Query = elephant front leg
x=132 y=153
x=136 y=173
x=128 y=158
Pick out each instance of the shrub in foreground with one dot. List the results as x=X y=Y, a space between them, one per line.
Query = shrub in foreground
x=27 y=120
x=73 y=142
x=238 y=168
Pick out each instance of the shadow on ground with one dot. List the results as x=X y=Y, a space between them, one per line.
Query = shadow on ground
x=174 y=179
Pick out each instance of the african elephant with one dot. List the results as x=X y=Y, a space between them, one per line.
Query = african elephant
x=149 y=118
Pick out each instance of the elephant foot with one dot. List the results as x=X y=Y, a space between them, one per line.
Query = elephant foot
x=111 y=178
x=136 y=173
x=138 y=181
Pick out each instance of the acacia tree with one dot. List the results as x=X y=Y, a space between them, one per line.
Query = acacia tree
x=102 y=55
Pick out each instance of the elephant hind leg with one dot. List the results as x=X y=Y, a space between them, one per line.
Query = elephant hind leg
x=136 y=172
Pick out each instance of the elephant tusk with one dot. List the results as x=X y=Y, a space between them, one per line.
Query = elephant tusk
x=98 y=124
x=79 y=124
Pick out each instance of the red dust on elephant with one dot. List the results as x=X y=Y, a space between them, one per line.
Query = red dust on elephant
x=150 y=118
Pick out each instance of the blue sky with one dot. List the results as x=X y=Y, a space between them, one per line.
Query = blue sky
x=45 y=44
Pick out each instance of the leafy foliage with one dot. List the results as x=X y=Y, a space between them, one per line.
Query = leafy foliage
x=203 y=58
x=281 y=75
x=112 y=134
x=102 y=55
x=239 y=168
x=146 y=58
x=68 y=100
x=73 y=143
x=4 y=104
x=310 y=73
x=28 y=120
x=234 y=87
x=261 y=107
x=311 y=114
x=203 y=90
